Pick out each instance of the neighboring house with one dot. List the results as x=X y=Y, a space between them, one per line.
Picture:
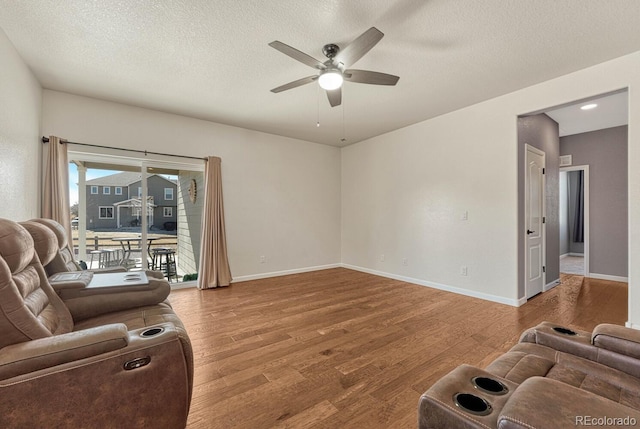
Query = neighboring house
x=114 y=201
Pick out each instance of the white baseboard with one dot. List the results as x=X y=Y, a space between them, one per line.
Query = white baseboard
x=551 y=285
x=632 y=325
x=459 y=291
x=283 y=273
x=564 y=255
x=608 y=277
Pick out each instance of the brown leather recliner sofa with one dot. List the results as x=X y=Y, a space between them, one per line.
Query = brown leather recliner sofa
x=554 y=377
x=113 y=361
x=63 y=261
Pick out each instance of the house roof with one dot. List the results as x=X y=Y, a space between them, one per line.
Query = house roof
x=212 y=60
x=124 y=178
x=135 y=202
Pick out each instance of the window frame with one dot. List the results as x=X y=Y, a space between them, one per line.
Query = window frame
x=106 y=190
x=106 y=208
x=117 y=190
x=96 y=189
x=164 y=211
x=165 y=194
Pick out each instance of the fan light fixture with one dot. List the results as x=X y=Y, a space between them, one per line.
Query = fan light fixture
x=330 y=79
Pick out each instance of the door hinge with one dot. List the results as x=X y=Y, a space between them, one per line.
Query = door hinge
x=544 y=269
x=544 y=219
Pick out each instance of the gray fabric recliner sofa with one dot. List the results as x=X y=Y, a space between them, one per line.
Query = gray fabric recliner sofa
x=554 y=377
x=116 y=362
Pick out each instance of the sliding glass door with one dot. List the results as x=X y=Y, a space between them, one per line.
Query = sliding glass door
x=136 y=213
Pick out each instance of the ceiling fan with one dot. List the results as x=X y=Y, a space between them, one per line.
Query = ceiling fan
x=335 y=70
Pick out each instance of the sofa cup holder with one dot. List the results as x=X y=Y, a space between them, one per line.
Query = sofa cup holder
x=564 y=331
x=472 y=404
x=489 y=385
x=151 y=332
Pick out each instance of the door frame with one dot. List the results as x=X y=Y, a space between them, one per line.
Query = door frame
x=585 y=185
x=528 y=147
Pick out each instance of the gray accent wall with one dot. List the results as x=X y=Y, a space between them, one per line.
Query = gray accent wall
x=541 y=132
x=605 y=151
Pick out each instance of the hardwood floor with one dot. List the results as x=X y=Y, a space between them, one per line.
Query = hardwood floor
x=344 y=349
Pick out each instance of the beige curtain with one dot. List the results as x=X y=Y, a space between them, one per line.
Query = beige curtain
x=214 y=264
x=55 y=192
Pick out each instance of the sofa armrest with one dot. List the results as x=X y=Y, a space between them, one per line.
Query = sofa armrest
x=617 y=339
x=93 y=300
x=34 y=355
x=70 y=280
x=145 y=384
x=539 y=401
x=563 y=339
x=438 y=407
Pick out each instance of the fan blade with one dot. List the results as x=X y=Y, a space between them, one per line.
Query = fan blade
x=297 y=55
x=295 y=84
x=370 y=77
x=335 y=97
x=356 y=49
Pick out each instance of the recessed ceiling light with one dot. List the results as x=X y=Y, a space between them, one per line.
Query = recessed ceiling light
x=589 y=106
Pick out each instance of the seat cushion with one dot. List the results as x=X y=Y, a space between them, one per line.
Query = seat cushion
x=136 y=318
x=526 y=360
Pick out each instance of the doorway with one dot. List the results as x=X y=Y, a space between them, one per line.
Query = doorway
x=574 y=220
x=594 y=131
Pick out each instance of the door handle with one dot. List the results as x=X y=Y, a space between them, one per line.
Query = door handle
x=530 y=232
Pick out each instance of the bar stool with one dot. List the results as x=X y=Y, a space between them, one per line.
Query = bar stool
x=168 y=266
x=110 y=257
x=101 y=256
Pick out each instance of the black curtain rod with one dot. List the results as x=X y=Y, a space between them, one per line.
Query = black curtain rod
x=46 y=140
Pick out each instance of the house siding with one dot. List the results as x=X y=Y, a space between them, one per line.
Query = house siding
x=156 y=185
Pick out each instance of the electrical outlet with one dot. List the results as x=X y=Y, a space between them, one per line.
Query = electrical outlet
x=464 y=215
x=382 y=258
x=263 y=259
x=463 y=270
x=405 y=262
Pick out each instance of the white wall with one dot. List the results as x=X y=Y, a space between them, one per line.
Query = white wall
x=281 y=195
x=20 y=109
x=403 y=193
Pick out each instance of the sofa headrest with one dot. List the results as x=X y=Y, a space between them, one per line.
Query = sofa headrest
x=57 y=229
x=44 y=241
x=16 y=245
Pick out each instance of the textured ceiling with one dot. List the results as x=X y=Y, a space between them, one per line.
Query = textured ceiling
x=211 y=59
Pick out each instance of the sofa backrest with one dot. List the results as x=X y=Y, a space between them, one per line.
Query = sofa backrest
x=64 y=260
x=29 y=307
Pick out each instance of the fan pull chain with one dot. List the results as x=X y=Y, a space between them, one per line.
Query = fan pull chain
x=344 y=137
x=318 y=107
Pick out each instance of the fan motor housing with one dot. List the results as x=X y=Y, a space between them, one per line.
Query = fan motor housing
x=330 y=50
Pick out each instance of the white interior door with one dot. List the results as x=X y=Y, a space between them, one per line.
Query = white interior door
x=534 y=221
